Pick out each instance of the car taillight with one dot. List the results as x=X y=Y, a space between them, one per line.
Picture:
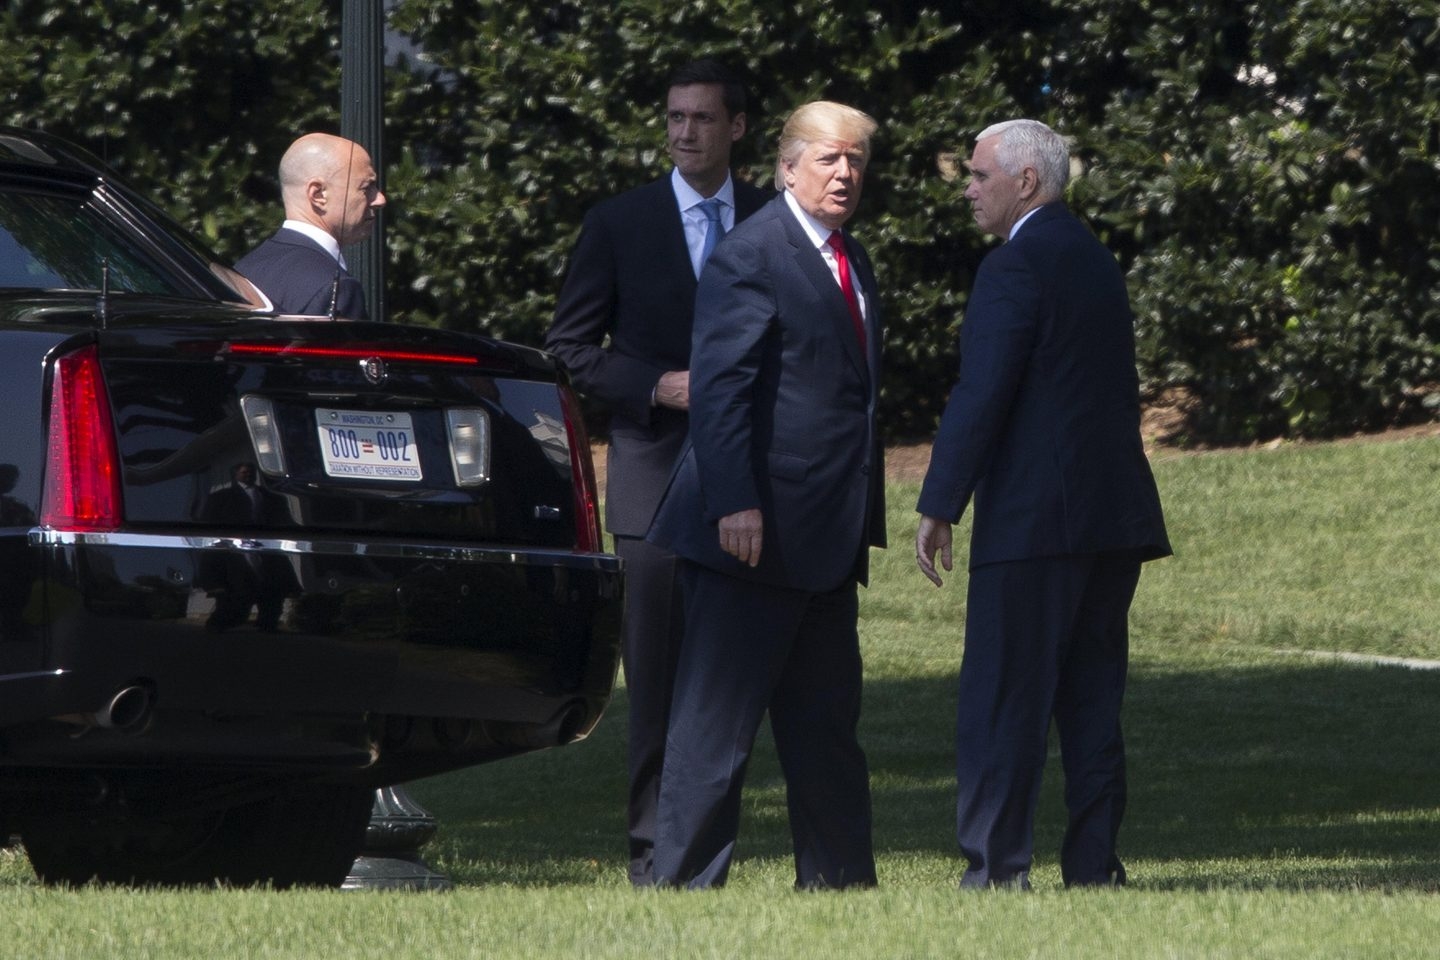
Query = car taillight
x=588 y=538
x=82 y=475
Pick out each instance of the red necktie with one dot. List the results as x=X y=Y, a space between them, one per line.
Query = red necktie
x=842 y=262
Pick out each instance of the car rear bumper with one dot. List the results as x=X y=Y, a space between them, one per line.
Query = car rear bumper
x=398 y=659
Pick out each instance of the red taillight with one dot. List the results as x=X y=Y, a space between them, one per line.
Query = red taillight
x=588 y=538
x=82 y=476
x=303 y=351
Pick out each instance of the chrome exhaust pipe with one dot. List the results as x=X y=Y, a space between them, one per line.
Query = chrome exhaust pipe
x=128 y=711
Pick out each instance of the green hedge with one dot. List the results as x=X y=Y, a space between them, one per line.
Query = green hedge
x=1265 y=171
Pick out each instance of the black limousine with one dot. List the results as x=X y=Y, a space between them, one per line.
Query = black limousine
x=253 y=567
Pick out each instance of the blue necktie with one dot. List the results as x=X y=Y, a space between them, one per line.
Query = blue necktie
x=714 y=227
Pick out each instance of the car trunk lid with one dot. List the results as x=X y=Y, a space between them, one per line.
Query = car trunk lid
x=356 y=429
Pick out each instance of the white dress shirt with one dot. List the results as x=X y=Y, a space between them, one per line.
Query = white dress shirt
x=693 y=217
x=1016 y=229
x=320 y=237
x=819 y=235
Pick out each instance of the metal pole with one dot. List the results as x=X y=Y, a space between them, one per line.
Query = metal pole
x=362 y=71
x=398 y=825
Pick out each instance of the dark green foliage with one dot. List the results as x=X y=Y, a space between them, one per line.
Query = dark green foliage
x=1269 y=179
x=1266 y=172
x=193 y=101
x=542 y=109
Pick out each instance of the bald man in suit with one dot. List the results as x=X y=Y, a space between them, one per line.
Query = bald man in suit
x=332 y=197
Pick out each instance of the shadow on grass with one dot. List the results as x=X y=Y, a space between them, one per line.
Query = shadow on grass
x=1295 y=775
x=1299 y=775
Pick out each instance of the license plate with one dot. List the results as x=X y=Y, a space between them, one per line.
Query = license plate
x=371 y=444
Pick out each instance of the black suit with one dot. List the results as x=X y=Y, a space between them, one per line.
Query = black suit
x=299 y=275
x=783 y=420
x=631 y=280
x=1043 y=428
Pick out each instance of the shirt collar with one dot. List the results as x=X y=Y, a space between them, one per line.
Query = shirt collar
x=1018 y=223
x=319 y=236
x=818 y=233
x=687 y=196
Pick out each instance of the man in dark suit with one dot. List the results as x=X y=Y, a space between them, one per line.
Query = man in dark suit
x=622 y=328
x=773 y=508
x=1043 y=429
x=331 y=196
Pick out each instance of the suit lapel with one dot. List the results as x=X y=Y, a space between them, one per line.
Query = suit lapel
x=668 y=225
x=817 y=271
x=668 y=230
x=874 y=329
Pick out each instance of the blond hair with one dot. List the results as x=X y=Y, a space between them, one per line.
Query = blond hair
x=821 y=121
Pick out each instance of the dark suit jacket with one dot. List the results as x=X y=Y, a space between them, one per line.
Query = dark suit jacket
x=782 y=412
x=1043 y=424
x=298 y=276
x=630 y=279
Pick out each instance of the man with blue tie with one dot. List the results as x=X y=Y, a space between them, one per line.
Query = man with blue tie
x=622 y=329
x=773 y=509
x=1042 y=428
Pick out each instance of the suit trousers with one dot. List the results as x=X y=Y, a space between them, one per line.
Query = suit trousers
x=750 y=647
x=654 y=625
x=1043 y=638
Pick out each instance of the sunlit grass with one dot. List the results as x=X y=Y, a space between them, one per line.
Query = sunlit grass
x=1282 y=804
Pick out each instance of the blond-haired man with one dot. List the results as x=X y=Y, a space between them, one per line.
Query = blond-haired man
x=773 y=509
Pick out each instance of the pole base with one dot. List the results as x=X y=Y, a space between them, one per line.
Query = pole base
x=391 y=858
x=393 y=873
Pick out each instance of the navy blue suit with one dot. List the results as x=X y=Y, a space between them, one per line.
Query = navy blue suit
x=782 y=412
x=1042 y=428
x=623 y=318
x=298 y=275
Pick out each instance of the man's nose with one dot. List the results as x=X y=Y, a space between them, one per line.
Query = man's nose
x=379 y=200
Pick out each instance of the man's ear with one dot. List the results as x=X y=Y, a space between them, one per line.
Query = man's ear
x=315 y=193
x=1029 y=183
x=737 y=127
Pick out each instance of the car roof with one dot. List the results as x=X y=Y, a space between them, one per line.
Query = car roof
x=40 y=151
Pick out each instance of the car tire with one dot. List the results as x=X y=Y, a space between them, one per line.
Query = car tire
x=302 y=835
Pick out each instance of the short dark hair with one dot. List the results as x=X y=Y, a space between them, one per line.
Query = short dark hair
x=710 y=70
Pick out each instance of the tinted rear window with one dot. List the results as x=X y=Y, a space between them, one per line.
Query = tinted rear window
x=58 y=241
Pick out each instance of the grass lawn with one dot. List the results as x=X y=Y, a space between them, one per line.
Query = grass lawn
x=1285 y=801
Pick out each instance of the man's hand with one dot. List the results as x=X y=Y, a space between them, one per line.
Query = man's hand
x=933 y=535
x=673 y=390
x=740 y=535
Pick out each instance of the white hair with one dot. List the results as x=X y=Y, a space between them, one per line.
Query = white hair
x=1030 y=143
